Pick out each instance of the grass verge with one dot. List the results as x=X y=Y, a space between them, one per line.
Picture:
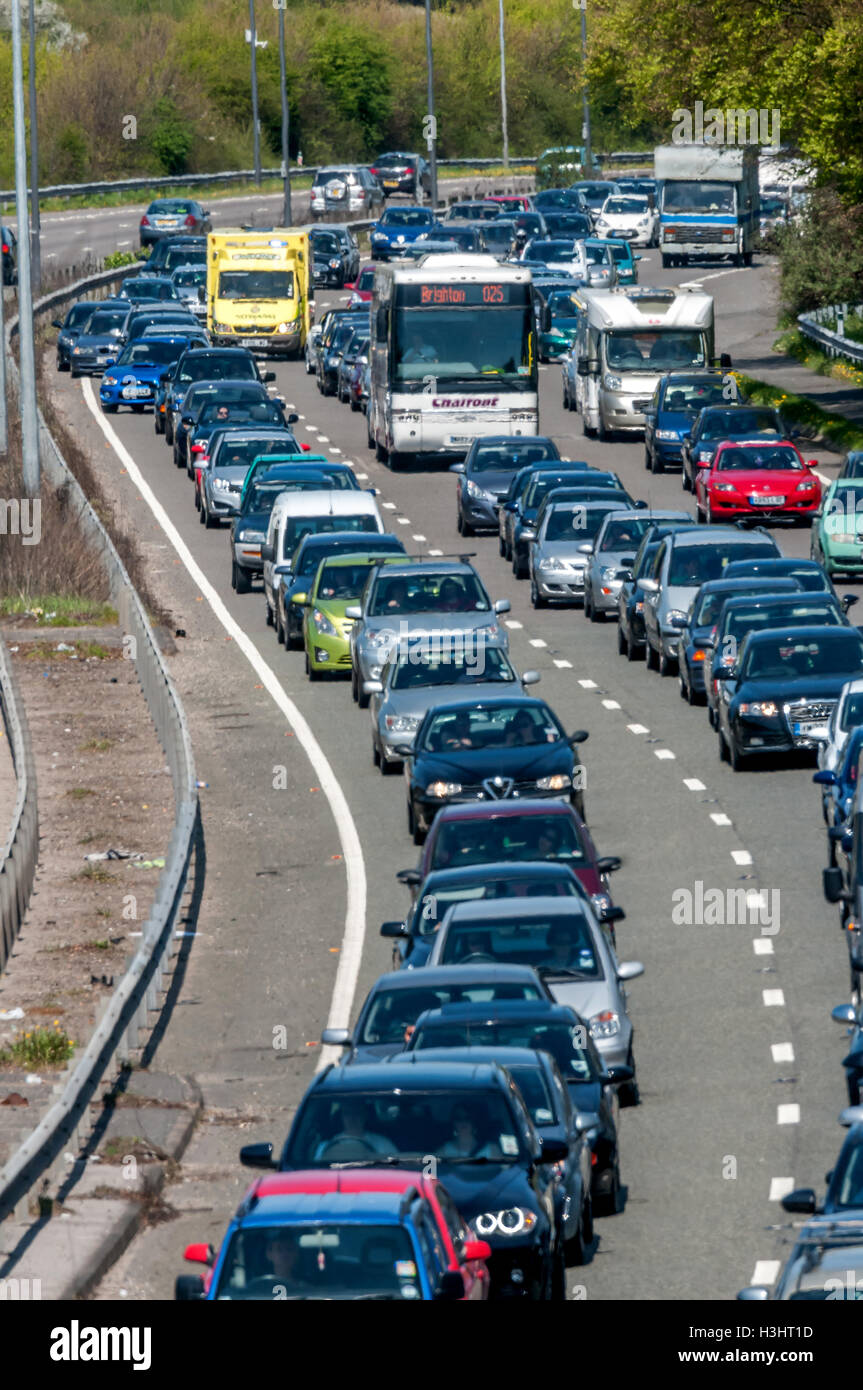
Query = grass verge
x=836 y=431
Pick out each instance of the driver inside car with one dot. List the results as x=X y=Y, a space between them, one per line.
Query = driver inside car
x=354 y=1133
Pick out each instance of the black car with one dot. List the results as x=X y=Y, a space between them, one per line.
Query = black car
x=414 y=936
x=397 y=1000
x=479 y=210
x=305 y=561
x=558 y=1030
x=336 y=250
x=780 y=693
x=486 y=751
x=546 y=1095
x=698 y=637
x=236 y=403
x=716 y=423
x=554 y=200
x=197 y=366
x=170 y=252
x=333 y=340
x=488 y=470
x=70 y=327
x=168 y=216
x=404 y=1113
x=9 y=252
x=402 y=173
x=508 y=510
x=100 y=339
x=139 y=321
x=567 y=224
x=631 y=639
x=808 y=573
x=844 y=1194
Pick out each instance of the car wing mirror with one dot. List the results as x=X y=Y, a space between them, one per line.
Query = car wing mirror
x=609 y=864
x=802 y=1200
x=336 y=1037
x=586 y=1120
x=354 y=611
x=372 y=688
x=629 y=970
x=825 y=778
x=502 y=605
x=394 y=929
x=531 y=678
x=267 y=552
x=257 y=1156
x=409 y=877
x=844 y=1013
x=580 y=736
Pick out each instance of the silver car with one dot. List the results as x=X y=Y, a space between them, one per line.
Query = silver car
x=561 y=552
x=310 y=351
x=190 y=283
x=345 y=188
x=847 y=714
x=222 y=483
x=414 y=680
x=441 y=602
x=614 y=549
x=564 y=943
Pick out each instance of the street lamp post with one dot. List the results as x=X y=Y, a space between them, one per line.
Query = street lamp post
x=431 y=133
x=257 y=130
x=287 y=218
x=503 y=113
x=585 y=94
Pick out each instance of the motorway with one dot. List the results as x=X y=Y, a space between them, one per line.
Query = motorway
x=739 y=1063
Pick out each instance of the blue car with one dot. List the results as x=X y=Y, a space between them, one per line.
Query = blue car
x=677 y=400
x=134 y=377
x=400 y=227
x=624 y=260
x=838 y=788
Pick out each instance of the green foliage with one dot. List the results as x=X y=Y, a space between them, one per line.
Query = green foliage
x=71 y=155
x=821 y=258
x=351 y=69
x=170 y=138
x=120 y=258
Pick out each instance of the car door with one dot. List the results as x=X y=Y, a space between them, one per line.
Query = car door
x=651 y=600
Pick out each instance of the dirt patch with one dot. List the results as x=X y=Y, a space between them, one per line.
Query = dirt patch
x=103 y=785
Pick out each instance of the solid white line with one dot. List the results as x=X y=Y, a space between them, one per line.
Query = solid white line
x=780 y=1187
x=762 y=946
x=741 y=856
x=587 y=685
x=611 y=704
x=773 y=998
x=782 y=1052
x=788 y=1114
x=538 y=642
x=720 y=818
x=562 y=665
x=663 y=753
x=350 y=955
x=766 y=1272
x=692 y=784
x=638 y=728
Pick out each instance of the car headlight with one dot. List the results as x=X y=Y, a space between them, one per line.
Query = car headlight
x=704 y=455
x=557 y=782
x=221 y=484
x=401 y=723
x=674 y=613
x=639 y=605
x=283 y=328
x=334 y=265
x=601 y=901
x=77 y=350
x=844 y=537
x=441 y=789
x=724 y=487
x=605 y=1024
x=806 y=486
x=612 y=383
x=474 y=489
x=642 y=221
x=667 y=435
x=109 y=381
x=251 y=536
x=222 y=327
x=322 y=623
x=550 y=565
x=601 y=222
x=379 y=236
x=332 y=360
x=768 y=708
x=513 y=1221
x=609 y=574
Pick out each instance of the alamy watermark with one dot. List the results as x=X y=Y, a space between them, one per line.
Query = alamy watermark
x=726 y=907
x=21 y=516
x=734 y=126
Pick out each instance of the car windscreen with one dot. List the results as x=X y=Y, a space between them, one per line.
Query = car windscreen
x=148 y=289
x=191 y=278
x=497 y=233
x=171 y=206
x=213 y=411
x=787 y=657
x=78 y=314
x=104 y=322
x=552 y=251
x=694 y=395
x=557 y=946
x=342 y=582
x=151 y=353
x=693 y=565
x=327 y=1260
x=189 y=255
x=498 y=726
x=432 y=663
x=393 y=1012
x=627 y=206
x=744 y=421
x=505 y=838
x=341 y=1128
x=247 y=450
x=775 y=458
x=574 y=222
x=738 y=621
x=216 y=368
x=402 y=594
x=406 y=217
x=430 y=909
x=620 y=535
x=575 y=523
x=507 y=458
x=543 y=483
x=657 y=351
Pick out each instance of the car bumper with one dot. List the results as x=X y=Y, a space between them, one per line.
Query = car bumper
x=427 y=807
x=668 y=453
x=696 y=676
x=615 y=1051
x=327 y=653
x=88 y=363
x=753 y=735
x=604 y=597
x=566 y=588
x=219 y=505
x=480 y=512
x=842 y=560
x=280 y=343
x=514 y=1269
x=247 y=556
x=388 y=742
x=787 y=512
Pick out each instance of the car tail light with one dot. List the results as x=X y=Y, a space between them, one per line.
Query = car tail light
x=145 y=221
x=306 y=448
x=190 y=221
x=5 y=248
x=197 y=448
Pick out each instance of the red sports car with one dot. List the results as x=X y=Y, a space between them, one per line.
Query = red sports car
x=757 y=477
x=363 y=285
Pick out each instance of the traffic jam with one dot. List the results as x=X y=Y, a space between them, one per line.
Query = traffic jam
x=468 y=1141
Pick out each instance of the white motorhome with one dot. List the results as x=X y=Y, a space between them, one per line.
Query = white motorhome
x=453 y=355
x=629 y=337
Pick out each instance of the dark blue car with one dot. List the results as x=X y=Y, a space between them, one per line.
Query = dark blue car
x=696 y=636
x=400 y=227
x=840 y=786
x=678 y=398
x=485 y=476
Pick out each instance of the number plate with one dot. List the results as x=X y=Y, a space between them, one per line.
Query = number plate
x=391 y=183
x=810 y=730
x=766 y=501
x=131 y=392
x=460 y=439
x=256 y=342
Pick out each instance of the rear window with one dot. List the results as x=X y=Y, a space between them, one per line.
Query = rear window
x=430 y=909
x=556 y=946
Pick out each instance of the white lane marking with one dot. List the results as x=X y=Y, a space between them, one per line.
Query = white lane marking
x=788 y=1114
x=301 y=417
x=762 y=946
x=720 y=818
x=362 y=477
x=538 y=642
x=765 y=1272
x=773 y=998
x=418 y=538
x=510 y=622
x=663 y=753
x=638 y=728
x=310 y=429
x=732 y=270
x=350 y=955
x=124 y=243
x=782 y=1052
x=333 y=449
x=779 y=1188
x=389 y=506
x=692 y=784
x=741 y=856
x=403 y=521
x=562 y=665
x=323 y=439
x=611 y=704
x=587 y=685
x=435 y=552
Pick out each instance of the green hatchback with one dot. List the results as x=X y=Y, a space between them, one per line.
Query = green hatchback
x=338 y=584
x=559 y=324
x=837 y=528
x=624 y=260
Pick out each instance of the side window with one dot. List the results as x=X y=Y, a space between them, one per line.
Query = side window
x=455 y=1225
x=430 y=1240
x=659 y=561
x=562 y=1094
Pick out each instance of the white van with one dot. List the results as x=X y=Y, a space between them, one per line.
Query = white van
x=299 y=514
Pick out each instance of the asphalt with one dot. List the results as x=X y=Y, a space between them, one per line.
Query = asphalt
x=703 y=1150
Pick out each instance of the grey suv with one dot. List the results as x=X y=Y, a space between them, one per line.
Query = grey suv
x=345 y=188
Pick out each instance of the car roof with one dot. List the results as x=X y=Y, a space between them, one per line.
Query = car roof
x=754 y=584
x=774 y=600
x=432 y=975
x=380 y=1207
x=490 y=702
x=805 y=630
x=506 y=1056
x=500 y=1008
x=505 y=909
x=488 y=810
x=360 y=556
x=336 y=501
x=503 y=869
x=355 y=537
x=716 y=533
x=781 y=561
x=586 y=503
x=412 y=567
x=359 y=1076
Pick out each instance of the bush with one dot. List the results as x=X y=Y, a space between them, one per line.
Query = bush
x=72 y=155
x=171 y=138
x=821 y=258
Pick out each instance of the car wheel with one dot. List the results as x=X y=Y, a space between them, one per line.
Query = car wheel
x=355 y=405
x=629 y=1094
x=593 y=615
x=241 y=581
x=685 y=480
x=311 y=671
x=557 y=1291
x=734 y=755
x=587 y=429
x=651 y=657
x=578 y=804
x=566 y=404
x=268 y=612
x=395 y=461
x=608 y=1204
x=388 y=768
x=536 y=597
x=362 y=697
x=279 y=626
x=415 y=832
x=576 y=1249
x=723 y=746
x=621 y=641
x=646 y=459
x=602 y=434
x=376 y=754
x=380 y=453
x=211 y=522
x=666 y=664
x=62 y=366
x=682 y=687
x=202 y=516
x=699 y=514
x=656 y=464
x=168 y=433
x=501 y=546
x=108 y=409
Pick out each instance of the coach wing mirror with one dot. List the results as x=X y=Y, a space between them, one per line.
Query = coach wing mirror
x=833 y=883
x=586 y=366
